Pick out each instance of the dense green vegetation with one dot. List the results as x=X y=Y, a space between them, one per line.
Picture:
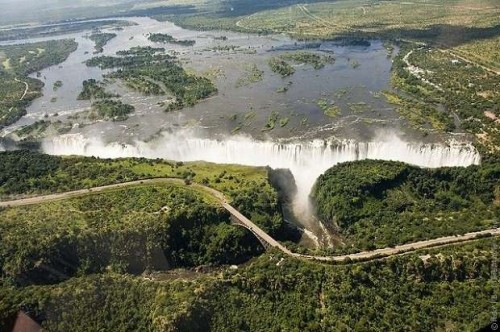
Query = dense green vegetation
x=25 y=59
x=111 y=110
x=483 y=51
x=315 y=60
x=450 y=289
x=104 y=108
x=17 y=90
x=101 y=39
x=166 y=38
x=93 y=263
x=148 y=227
x=400 y=293
x=107 y=302
x=420 y=115
x=93 y=89
x=151 y=71
x=23 y=172
x=38 y=126
x=281 y=67
x=134 y=57
x=130 y=229
x=375 y=204
x=280 y=64
x=156 y=227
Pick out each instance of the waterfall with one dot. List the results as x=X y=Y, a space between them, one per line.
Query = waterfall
x=306 y=160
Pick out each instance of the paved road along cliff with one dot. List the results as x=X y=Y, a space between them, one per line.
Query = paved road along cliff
x=256 y=230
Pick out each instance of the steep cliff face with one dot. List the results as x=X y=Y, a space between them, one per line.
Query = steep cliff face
x=305 y=160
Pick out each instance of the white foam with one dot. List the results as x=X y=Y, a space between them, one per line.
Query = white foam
x=306 y=160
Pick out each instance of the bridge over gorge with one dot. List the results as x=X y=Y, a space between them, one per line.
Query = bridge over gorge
x=264 y=238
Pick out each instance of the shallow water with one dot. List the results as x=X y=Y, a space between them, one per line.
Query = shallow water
x=246 y=108
x=207 y=131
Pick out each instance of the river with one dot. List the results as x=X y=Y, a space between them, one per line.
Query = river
x=308 y=144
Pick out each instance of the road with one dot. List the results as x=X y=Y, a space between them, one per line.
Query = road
x=247 y=223
x=77 y=193
x=405 y=248
x=316 y=18
x=256 y=230
x=416 y=71
x=25 y=90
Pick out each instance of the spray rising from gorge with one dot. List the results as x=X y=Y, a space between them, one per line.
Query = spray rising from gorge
x=306 y=160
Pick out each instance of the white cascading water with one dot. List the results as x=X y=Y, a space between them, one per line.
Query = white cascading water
x=306 y=160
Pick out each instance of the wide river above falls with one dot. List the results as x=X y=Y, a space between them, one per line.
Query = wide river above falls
x=353 y=82
x=228 y=127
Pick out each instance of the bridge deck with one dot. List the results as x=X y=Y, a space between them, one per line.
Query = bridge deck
x=256 y=230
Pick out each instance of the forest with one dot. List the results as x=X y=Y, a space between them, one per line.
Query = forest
x=31 y=173
x=281 y=64
x=132 y=230
x=150 y=238
x=67 y=27
x=450 y=22
x=421 y=116
x=160 y=257
x=166 y=246
x=446 y=288
x=317 y=61
x=377 y=204
x=26 y=59
x=103 y=107
x=30 y=133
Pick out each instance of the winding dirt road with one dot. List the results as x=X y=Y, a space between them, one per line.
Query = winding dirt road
x=316 y=18
x=25 y=90
x=256 y=230
x=24 y=94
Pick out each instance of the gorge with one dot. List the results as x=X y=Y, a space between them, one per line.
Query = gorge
x=306 y=160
